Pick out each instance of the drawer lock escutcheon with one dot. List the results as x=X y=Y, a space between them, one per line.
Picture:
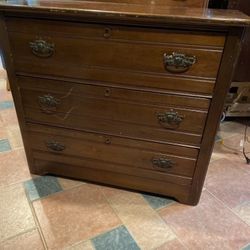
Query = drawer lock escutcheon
x=55 y=146
x=107 y=33
x=178 y=63
x=42 y=48
x=170 y=120
x=162 y=162
x=48 y=103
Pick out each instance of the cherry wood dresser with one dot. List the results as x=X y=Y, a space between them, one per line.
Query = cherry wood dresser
x=121 y=93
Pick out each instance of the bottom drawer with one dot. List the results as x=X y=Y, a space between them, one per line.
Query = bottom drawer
x=179 y=192
x=88 y=150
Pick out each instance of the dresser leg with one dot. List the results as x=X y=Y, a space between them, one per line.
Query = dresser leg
x=190 y=200
x=194 y=198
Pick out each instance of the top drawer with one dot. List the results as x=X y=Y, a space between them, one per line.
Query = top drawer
x=94 y=51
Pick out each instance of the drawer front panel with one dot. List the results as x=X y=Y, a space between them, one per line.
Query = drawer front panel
x=116 y=32
x=64 y=89
x=174 y=186
x=117 y=54
x=113 y=107
x=43 y=55
x=122 y=152
x=113 y=128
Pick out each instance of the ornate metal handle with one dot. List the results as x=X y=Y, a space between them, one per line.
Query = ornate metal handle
x=55 y=146
x=42 y=48
x=178 y=63
x=162 y=162
x=48 y=103
x=170 y=119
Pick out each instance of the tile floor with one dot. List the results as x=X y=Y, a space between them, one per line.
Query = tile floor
x=56 y=213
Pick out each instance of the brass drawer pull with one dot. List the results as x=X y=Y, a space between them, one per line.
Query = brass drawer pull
x=170 y=119
x=55 y=146
x=48 y=103
x=178 y=63
x=162 y=162
x=42 y=48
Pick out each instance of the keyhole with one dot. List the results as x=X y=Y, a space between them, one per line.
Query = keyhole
x=107 y=92
x=107 y=32
x=107 y=141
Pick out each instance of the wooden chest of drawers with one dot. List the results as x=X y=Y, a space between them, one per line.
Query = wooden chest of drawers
x=127 y=96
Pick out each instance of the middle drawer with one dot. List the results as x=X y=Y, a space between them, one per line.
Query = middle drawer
x=113 y=110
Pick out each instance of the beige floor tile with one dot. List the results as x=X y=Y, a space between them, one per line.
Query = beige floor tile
x=14 y=136
x=27 y=241
x=243 y=211
x=68 y=183
x=235 y=143
x=15 y=213
x=9 y=117
x=5 y=95
x=1 y=122
x=172 y=245
x=209 y=225
x=144 y=224
x=87 y=245
x=236 y=157
x=13 y=167
x=3 y=133
x=3 y=79
x=228 y=182
x=230 y=128
x=74 y=215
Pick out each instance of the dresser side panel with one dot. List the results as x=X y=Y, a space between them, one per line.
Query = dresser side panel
x=224 y=79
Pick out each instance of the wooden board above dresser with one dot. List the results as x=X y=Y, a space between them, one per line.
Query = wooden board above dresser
x=118 y=92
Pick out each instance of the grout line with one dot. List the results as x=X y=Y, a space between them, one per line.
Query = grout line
x=19 y=234
x=183 y=246
x=39 y=226
x=154 y=211
x=13 y=184
x=172 y=227
x=166 y=206
x=90 y=239
x=115 y=212
x=57 y=192
x=226 y=206
x=174 y=231
x=36 y=221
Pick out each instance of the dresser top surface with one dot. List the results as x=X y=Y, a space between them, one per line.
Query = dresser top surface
x=139 y=12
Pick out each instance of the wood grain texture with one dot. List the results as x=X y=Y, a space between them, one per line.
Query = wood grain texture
x=113 y=106
x=123 y=54
x=130 y=12
x=172 y=188
x=5 y=51
x=229 y=62
x=121 y=153
x=108 y=77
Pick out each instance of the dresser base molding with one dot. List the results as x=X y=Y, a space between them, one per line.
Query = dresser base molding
x=162 y=94
x=179 y=192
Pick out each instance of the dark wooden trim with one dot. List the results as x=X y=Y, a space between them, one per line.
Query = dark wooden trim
x=8 y=61
x=179 y=192
x=129 y=12
x=228 y=64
